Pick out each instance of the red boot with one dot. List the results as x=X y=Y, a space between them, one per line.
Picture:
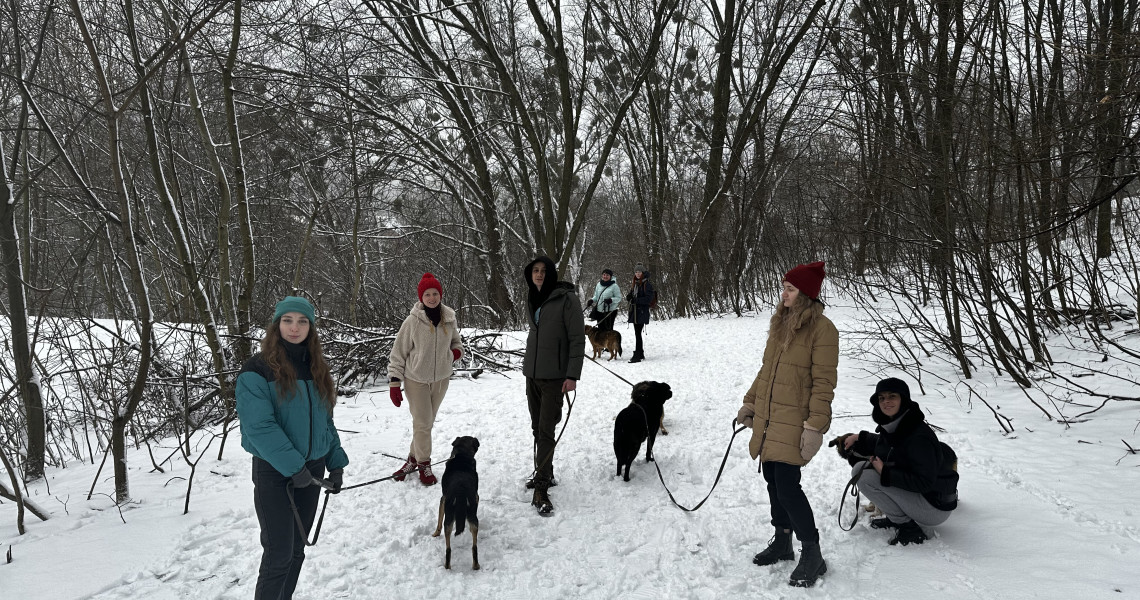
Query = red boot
x=426 y=476
x=402 y=472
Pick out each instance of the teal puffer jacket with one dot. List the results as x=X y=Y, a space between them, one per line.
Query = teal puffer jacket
x=287 y=432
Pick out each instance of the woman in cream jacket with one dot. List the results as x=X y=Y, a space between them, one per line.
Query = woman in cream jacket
x=426 y=345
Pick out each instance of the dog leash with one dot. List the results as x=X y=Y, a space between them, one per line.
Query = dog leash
x=289 y=488
x=565 y=422
x=715 y=482
x=591 y=359
x=852 y=486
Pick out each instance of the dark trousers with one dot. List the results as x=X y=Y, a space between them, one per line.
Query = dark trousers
x=790 y=507
x=606 y=323
x=639 y=349
x=283 y=546
x=544 y=399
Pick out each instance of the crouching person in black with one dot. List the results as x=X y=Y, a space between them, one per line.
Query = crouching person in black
x=912 y=477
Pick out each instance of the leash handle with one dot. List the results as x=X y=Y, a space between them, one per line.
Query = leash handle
x=852 y=487
x=719 y=472
x=297 y=514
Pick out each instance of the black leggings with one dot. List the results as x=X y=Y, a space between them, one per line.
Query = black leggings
x=639 y=349
x=283 y=546
x=790 y=507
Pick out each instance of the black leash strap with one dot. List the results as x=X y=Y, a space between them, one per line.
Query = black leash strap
x=393 y=476
x=321 y=519
x=565 y=422
x=591 y=359
x=852 y=488
x=715 y=482
x=297 y=515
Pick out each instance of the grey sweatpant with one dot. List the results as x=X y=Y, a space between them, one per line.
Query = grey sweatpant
x=897 y=504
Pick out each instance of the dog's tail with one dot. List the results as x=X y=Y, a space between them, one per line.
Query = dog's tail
x=463 y=510
x=619 y=344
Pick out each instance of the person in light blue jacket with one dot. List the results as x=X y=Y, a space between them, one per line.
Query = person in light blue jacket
x=285 y=398
x=607 y=297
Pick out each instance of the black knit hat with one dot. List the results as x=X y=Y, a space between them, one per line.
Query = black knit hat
x=607 y=272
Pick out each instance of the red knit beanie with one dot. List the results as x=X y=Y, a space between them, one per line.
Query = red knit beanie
x=807 y=278
x=428 y=281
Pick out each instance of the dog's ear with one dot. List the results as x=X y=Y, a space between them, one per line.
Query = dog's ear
x=476 y=440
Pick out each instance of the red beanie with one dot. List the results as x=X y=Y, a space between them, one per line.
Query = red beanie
x=807 y=278
x=428 y=281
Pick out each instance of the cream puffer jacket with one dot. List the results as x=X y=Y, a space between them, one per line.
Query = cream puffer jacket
x=422 y=351
x=794 y=387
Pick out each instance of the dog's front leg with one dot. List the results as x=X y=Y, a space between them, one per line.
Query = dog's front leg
x=439 y=524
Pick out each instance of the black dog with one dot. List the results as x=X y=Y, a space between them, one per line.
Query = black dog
x=460 y=501
x=633 y=423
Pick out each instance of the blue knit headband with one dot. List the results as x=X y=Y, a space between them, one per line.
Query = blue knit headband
x=295 y=304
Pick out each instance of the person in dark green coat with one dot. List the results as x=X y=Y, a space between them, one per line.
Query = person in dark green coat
x=285 y=397
x=555 y=349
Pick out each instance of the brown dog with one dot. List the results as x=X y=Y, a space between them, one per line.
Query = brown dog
x=604 y=340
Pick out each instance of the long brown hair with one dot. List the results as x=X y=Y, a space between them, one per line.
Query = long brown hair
x=273 y=351
x=788 y=320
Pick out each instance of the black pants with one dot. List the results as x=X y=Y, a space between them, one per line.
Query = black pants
x=790 y=507
x=544 y=399
x=283 y=546
x=639 y=349
x=606 y=323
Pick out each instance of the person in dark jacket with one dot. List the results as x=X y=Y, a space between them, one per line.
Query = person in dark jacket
x=285 y=397
x=640 y=296
x=911 y=477
x=555 y=349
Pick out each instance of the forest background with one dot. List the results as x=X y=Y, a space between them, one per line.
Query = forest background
x=171 y=168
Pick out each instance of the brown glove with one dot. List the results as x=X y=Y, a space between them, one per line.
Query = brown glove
x=810 y=441
x=744 y=415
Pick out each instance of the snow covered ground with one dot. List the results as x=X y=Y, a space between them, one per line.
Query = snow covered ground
x=1049 y=511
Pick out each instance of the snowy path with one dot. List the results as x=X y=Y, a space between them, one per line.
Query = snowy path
x=1043 y=515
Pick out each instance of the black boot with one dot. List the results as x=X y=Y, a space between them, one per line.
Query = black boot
x=883 y=523
x=779 y=548
x=637 y=357
x=541 y=499
x=810 y=567
x=909 y=533
x=532 y=482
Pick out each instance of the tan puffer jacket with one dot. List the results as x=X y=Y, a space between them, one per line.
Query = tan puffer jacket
x=794 y=386
x=422 y=351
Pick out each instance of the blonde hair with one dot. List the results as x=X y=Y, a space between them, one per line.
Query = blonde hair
x=788 y=320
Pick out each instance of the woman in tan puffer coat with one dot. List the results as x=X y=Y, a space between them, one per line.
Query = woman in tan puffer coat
x=426 y=345
x=788 y=408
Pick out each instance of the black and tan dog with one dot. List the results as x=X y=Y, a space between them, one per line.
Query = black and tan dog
x=633 y=424
x=604 y=340
x=460 y=502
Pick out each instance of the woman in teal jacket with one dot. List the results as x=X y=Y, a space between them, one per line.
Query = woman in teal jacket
x=285 y=397
x=607 y=297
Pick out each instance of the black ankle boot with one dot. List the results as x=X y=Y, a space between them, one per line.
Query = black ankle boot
x=909 y=533
x=810 y=567
x=779 y=548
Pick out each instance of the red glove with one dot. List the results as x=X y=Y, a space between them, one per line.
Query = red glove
x=455 y=354
x=397 y=397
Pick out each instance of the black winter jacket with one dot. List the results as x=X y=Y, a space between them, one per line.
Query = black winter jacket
x=913 y=459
